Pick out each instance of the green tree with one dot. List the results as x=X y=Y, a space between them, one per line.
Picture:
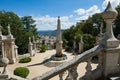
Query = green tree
x=117 y=22
x=20 y=33
x=89 y=41
x=92 y=25
x=30 y=30
x=29 y=25
x=89 y=29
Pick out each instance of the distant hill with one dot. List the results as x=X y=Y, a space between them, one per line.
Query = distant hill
x=49 y=32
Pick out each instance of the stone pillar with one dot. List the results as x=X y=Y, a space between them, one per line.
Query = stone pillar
x=34 y=45
x=110 y=43
x=74 y=47
x=2 y=43
x=81 y=45
x=100 y=35
x=30 y=45
x=16 y=51
x=58 y=39
x=11 y=47
x=3 y=53
x=12 y=52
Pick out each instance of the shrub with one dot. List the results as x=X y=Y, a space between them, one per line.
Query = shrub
x=21 y=71
x=68 y=49
x=43 y=48
x=25 y=60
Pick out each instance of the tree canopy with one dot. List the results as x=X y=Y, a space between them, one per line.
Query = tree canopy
x=89 y=29
x=21 y=27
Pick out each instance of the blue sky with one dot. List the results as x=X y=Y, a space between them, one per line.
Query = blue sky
x=45 y=12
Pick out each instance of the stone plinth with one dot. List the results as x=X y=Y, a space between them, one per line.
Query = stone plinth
x=31 y=47
x=58 y=58
x=110 y=61
x=53 y=63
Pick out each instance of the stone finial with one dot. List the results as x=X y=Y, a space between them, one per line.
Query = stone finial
x=9 y=32
x=29 y=39
x=109 y=12
x=109 y=39
x=0 y=30
x=81 y=39
x=33 y=39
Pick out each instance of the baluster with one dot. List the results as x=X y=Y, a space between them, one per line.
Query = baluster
x=61 y=76
x=99 y=61
x=88 y=70
x=72 y=73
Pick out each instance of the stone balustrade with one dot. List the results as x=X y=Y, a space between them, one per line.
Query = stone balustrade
x=71 y=66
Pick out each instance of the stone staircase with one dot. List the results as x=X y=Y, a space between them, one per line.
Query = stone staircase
x=108 y=52
x=71 y=67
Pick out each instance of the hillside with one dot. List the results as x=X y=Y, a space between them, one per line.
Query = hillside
x=49 y=32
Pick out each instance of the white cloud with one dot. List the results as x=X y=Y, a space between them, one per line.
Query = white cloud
x=82 y=18
x=50 y=23
x=80 y=11
x=71 y=16
x=84 y=14
x=113 y=2
x=47 y=22
x=92 y=10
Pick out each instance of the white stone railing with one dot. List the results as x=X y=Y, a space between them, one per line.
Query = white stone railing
x=14 y=77
x=71 y=66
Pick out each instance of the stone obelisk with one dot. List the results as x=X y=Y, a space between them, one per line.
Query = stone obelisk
x=59 y=55
x=58 y=39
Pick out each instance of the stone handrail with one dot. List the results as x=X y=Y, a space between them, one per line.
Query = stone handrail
x=67 y=65
x=14 y=77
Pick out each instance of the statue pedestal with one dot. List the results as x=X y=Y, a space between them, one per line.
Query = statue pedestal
x=55 y=61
